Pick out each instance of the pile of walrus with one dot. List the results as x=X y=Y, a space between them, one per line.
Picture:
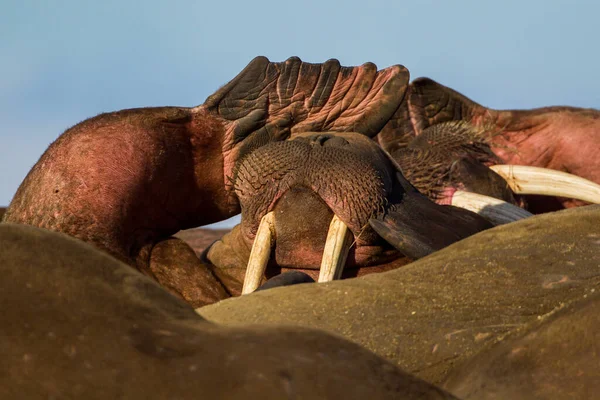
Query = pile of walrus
x=506 y=313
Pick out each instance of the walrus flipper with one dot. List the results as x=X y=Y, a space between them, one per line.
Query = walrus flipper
x=272 y=100
x=426 y=103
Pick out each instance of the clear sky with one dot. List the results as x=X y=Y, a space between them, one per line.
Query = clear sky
x=66 y=60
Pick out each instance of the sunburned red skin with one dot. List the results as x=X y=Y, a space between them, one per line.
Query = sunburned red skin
x=560 y=138
x=126 y=181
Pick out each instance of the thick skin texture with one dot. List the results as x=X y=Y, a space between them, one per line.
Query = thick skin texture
x=560 y=138
x=306 y=180
x=76 y=323
x=452 y=156
x=127 y=180
x=432 y=315
x=555 y=359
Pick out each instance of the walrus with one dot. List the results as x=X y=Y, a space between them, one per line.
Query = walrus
x=126 y=181
x=436 y=127
x=432 y=315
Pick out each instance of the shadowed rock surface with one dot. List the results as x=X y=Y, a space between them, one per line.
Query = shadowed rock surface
x=76 y=323
x=556 y=358
x=434 y=314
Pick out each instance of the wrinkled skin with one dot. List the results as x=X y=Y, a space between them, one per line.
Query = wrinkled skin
x=434 y=315
x=560 y=138
x=305 y=181
x=128 y=180
x=452 y=156
x=78 y=324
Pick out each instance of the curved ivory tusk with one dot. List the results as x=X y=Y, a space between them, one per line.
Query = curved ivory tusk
x=494 y=210
x=548 y=182
x=339 y=241
x=259 y=255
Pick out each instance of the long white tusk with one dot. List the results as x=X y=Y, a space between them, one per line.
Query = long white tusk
x=259 y=255
x=339 y=241
x=494 y=210
x=548 y=182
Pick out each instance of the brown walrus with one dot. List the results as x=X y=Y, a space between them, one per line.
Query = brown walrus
x=76 y=323
x=128 y=180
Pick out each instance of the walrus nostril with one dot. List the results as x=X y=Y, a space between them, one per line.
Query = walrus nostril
x=320 y=139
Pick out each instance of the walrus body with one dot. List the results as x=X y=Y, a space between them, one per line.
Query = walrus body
x=128 y=180
x=432 y=315
x=76 y=323
x=123 y=180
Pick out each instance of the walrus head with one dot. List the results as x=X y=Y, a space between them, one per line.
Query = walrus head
x=269 y=102
x=329 y=201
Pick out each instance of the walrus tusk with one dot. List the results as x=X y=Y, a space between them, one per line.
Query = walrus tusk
x=548 y=182
x=259 y=255
x=337 y=245
x=494 y=210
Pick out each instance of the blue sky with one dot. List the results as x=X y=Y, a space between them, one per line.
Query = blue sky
x=64 y=61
